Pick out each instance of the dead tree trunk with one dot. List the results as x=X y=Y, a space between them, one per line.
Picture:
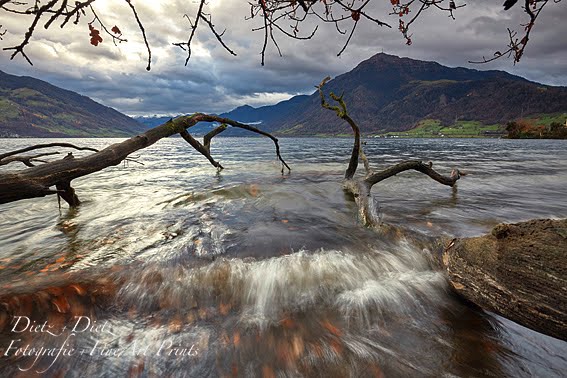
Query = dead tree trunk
x=518 y=271
x=38 y=181
x=361 y=188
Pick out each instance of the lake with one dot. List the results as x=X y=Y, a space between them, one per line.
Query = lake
x=174 y=269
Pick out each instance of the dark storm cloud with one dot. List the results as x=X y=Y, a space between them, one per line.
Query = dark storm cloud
x=215 y=81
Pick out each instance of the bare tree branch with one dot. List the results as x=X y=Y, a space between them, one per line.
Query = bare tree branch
x=341 y=112
x=46 y=145
x=211 y=134
x=199 y=147
x=361 y=188
x=37 y=181
x=516 y=45
x=20 y=48
x=417 y=166
x=148 y=67
x=27 y=160
x=278 y=16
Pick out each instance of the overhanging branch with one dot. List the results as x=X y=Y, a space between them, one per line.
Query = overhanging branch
x=38 y=181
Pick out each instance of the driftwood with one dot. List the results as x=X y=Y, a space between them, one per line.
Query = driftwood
x=518 y=271
x=38 y=181
x=360 y=188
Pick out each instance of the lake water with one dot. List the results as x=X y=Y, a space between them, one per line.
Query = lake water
x=247 y=272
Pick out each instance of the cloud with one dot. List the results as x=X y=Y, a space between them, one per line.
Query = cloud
x=216 y=81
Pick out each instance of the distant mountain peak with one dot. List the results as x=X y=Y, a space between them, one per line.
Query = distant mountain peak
x=245 y=107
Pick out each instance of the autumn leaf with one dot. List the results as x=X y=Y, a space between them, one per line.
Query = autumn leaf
x=203 y=313
x=297 y=346
x=96 y=40
x=355 y=15
x=224 y=308
x=191 y=317
x=268 y=372
x=61 y=304
x=4 y=319
x=175 y=325
x=55 y=291
x=115 y=30
x=337 y=347
x=136 y=369
x=95 y=36
x=331 y=328
x=79 y=289
x=287 y=323
x=253 y=190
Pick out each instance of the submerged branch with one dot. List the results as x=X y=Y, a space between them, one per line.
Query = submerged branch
x=417 y=166
x=211 y=134
x=361 y=188
x=199 y=147
x=38 y=181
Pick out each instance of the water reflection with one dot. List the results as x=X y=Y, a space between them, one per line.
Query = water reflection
x=269 y=275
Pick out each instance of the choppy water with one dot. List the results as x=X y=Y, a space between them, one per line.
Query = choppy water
x=190 y=272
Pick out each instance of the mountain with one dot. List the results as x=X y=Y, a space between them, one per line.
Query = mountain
x=271 y=114
x=389 y=93
x=35 y=108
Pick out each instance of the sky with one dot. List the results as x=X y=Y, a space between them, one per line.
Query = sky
x=215 y=81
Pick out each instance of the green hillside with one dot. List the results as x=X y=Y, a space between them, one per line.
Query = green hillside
x=31 y=107
x=432 y=128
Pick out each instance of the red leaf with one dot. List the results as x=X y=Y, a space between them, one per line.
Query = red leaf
x=355 y=15
x=115 y=30
x=95 y=36
x=96 y=40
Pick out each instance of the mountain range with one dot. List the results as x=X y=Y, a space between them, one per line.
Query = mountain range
x=384 y=93
x=35 y=108
x=387 y=93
